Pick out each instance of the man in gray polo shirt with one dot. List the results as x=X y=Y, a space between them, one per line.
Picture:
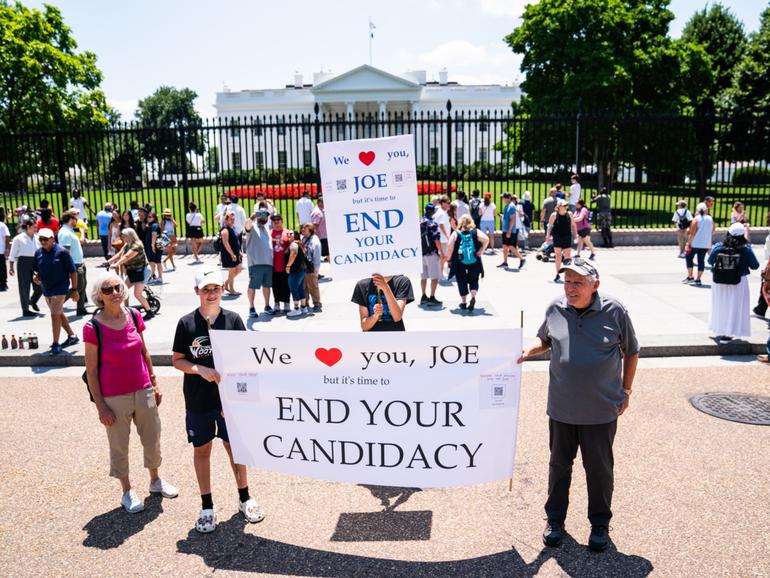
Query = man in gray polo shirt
x=594 y=353
x=259 y=252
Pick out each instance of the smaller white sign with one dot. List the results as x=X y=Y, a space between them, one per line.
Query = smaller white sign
x=370 y=198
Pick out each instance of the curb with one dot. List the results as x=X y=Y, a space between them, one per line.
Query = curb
x=736 y=347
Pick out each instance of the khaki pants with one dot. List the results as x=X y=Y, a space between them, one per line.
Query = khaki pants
x=681 y=237
x=311 y=288
x=139 y=407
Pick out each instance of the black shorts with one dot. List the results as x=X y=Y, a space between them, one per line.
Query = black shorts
x=562 y=242
x=135 y=275
x=204 y=427
x=195 y=232
x=582 y=233
x=154 y=256
x=513 y=240
x=324 y=247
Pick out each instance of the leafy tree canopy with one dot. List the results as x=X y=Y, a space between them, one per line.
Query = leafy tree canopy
x=614 y=54
x=169 y=107
x=45 y=83
x=722 y=36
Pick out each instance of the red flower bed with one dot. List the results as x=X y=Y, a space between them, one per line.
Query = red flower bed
x=294 y=191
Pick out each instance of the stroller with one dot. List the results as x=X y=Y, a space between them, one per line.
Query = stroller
x=152 y=299
x=545 y=253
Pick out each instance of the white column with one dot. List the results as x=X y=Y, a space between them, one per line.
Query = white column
x=382 y=115
x=350 y=117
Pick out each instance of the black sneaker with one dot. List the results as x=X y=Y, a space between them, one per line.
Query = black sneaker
x=149 y=315
x=463 y=306
x=28 y=314
x=433 y=301
x=34 y=306
x=758 y=312
x=688 y=279
x=269 y=310
x=472 y=304
x=557 y=279
x=522 y=263
x=599 y=538
x=553 y=533
x=71 y=340
x=424 y=299
x=252 y=313
x=317 y=308
x=698 y=283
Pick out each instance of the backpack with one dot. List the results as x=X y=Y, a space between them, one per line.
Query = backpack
x=475 y=213
x=305 y=264
x=98 y=333
x=426 y=237
x=467 y=248
x=727 y=267
x=217 y=243
x=684 y=222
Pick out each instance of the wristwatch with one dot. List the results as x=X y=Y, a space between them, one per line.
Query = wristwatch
x=627 y=391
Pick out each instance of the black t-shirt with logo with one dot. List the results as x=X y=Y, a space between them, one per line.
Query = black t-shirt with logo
x=365 y=294
x=192 y=340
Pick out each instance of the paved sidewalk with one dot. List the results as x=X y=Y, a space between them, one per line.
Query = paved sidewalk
x=670 y=318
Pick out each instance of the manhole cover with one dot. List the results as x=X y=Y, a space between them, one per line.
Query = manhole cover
x=740 y=407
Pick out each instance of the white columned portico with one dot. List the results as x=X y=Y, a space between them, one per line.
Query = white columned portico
x=382 y=116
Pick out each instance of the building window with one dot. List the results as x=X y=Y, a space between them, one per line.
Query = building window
x=307 y=158
x=483 y=154
x=459 y=153
x=236 y=160
x=259 y=160
x=433 y=155
x=483 y=126
x=459 y=126
x=257 y=131
x=282 y=159
x=235 y=133
x=280 y=130
x=306 y=129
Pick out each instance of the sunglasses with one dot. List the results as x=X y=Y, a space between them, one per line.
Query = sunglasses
x=583 y=264
x=110 y=289
x=45 y=239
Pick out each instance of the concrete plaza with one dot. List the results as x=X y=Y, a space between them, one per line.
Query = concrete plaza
x=670 y=318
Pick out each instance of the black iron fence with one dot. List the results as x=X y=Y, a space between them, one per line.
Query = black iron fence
x=646 y=162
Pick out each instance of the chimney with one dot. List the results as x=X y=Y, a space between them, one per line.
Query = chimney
x=297 y=80
x=442 y=76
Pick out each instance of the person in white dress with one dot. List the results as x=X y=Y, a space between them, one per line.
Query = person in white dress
x=731 y=262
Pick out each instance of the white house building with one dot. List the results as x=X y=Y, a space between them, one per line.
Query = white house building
x=367 y=94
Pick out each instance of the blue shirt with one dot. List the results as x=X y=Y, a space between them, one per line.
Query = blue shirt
x=54 y=268
x=104 y=218
x=509 y=213
x=68 y=237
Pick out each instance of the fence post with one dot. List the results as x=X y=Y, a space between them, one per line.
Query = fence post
x=578 y=127
x=449 y=147
x=62 y=170
x=317 y=133
x=185 y=184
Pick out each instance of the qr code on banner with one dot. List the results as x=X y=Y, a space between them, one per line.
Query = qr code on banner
x=242 y=387
x=498 y=391
x=398 y=177
x=342 y=184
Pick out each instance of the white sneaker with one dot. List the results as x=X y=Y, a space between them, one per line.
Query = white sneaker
x=207 y=521
x=130 y=502
x=251 y=511
x=162 y=487
x=293 y=313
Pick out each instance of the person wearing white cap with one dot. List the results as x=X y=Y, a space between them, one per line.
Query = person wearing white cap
x=192 y=354
x=55 y=271
x=731 y=262
x=698 y=242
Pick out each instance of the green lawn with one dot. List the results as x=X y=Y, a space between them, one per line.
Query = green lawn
x=631 y=208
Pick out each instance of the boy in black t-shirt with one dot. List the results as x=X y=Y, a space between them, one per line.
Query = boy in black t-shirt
x=381 y=302
x=204 y=418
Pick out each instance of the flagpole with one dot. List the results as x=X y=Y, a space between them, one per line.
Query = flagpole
x=370 y=40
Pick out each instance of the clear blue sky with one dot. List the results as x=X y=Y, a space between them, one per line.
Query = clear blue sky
x=143 y=44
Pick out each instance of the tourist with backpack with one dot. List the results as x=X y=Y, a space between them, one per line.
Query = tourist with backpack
x=475 y=208
x=681 y=219
x=466 y=245
x=432 y=253
x=731 y=262
x=698 y=242
x=297 y=266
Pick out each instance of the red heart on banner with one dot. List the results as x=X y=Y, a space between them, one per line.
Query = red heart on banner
x=366 y=157
x=328 y=356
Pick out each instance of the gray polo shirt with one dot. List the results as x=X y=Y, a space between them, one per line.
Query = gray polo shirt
x=586 y=380
x=259 y=246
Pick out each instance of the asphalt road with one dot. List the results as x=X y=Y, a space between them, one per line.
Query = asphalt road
x=691 y=497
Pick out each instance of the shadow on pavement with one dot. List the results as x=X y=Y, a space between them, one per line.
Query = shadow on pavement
x=111 y=529
x=231 y=548
x=385 y=493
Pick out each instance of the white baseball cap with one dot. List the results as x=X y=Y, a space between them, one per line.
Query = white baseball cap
x=46 y=233
x=737 y=230
x=209 y=277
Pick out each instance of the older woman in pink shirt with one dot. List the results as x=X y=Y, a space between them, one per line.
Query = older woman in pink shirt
x=123 y=386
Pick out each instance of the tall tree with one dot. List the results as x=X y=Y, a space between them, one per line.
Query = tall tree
x=45 y=83
x=173 y=110
x=723 y=38
x=749 y=98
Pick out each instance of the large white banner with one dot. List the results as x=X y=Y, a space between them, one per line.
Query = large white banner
x=370 y=197
x=416 y=409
